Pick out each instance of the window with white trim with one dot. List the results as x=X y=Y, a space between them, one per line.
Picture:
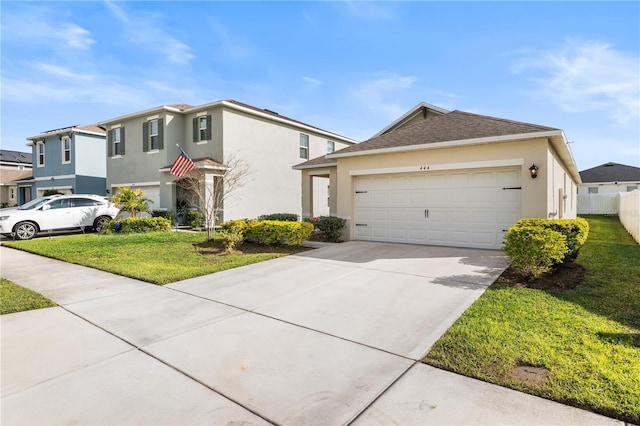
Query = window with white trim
x=154 y=141
x=304 y=146
x=632 y=188
x=202 y=128
x=66 y=149
x=593 y=190
x=331 y=146
x=152 y=135
x=40 y=153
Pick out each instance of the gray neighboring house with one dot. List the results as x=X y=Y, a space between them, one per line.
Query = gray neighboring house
x=14 y=166
x=598 y=192
x=142 y=145
x=68 y=160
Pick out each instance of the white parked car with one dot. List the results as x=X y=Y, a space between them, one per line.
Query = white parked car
x=57 y=212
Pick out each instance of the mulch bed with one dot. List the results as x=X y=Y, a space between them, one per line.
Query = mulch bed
x=562 y=278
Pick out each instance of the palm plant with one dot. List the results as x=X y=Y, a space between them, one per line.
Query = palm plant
x=130 y=200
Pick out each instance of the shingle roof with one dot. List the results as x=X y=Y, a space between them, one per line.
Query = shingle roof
x=452 y=126
x=15 y=156
x=317 y=162
x=611 y=172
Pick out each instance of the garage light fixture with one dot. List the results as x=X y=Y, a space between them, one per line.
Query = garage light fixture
x=534 y=171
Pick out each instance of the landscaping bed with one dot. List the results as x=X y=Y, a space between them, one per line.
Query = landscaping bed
x=572 y=335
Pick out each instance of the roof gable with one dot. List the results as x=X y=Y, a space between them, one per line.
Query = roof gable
x=422 y=111
x=611 y=172
x=452 y=126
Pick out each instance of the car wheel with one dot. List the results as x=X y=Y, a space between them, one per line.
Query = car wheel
x=25 y=230
x=100 y=222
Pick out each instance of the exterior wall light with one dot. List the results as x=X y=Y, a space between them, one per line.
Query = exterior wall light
x=534 y=171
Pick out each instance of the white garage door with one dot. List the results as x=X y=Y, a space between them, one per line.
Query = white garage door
x=468 y=208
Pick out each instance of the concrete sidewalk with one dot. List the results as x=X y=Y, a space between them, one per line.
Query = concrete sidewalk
x=331 y=336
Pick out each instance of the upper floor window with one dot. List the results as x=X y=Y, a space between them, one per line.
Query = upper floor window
x=66 y=149
x=632 y=188
x=304 y=146
x=593 y=190
x=152 y=134
x=202 y=128
x=115 y=141
x=40 y=153
x=331 y=146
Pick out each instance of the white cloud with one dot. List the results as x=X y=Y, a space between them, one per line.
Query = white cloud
x=147 y=31
x=62 y=72
x=381 y=94
x=41 y=26
x=587 y=76
x=310 y=84
x=368 y=10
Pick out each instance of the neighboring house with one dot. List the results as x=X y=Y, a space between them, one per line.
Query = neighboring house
x=447 y=178
x=142 y=146
x=68 y=160
x=14 y=165
x=598 y=192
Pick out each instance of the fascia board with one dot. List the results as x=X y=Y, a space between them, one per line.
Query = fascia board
x=315 y=166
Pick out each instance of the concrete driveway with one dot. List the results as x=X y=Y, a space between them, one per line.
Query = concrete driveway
x=330 y=336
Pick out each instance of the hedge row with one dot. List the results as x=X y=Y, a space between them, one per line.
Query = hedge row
x=270 y=232
x=537 y=245
x=136 y=225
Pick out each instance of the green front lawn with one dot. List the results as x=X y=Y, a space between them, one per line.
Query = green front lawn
x=159 y=258
x=588 y=338
x=14 y=298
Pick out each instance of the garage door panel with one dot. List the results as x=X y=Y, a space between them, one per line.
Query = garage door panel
x=462 y=208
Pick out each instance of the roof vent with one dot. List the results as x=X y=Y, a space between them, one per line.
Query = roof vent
x=271 y=112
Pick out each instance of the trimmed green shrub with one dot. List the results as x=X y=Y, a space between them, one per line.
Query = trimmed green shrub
x=231 y=237
x=271 y=232
x=287 y=217
x=137 y=225
x=534 y=249
x=331 y=226
x=575 y=230
x=193 y=218
x=167 y=214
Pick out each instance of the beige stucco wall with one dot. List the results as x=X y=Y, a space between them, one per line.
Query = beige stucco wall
x=540 y=196
x=270 y=150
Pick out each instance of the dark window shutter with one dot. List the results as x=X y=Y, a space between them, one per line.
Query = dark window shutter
x=110 y=143
x=209 y=127
x=145 y=136
x=160 y=133
x=196 y=129
x=121 y=141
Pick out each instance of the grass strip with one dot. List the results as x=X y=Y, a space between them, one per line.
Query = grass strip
x=588 y=338
x=17 y=299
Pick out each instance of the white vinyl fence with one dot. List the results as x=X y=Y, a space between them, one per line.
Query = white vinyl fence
x=598 y=203
x=630 y=212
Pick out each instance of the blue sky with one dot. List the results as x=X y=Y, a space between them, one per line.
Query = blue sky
x=349 y=67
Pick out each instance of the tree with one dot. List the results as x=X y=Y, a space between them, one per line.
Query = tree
x=130 y=200
x=207 y=189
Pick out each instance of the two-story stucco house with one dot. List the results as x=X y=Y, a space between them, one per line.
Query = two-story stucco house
x=68 y=160
x=142 y=146
x=14 y=165
x=448 y=178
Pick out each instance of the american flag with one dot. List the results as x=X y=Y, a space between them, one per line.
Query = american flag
x=182 y=165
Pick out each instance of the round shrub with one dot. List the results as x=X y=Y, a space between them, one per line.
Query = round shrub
x=167 y=214
x=534 y=250
x=193 y=218
x=331 y=226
